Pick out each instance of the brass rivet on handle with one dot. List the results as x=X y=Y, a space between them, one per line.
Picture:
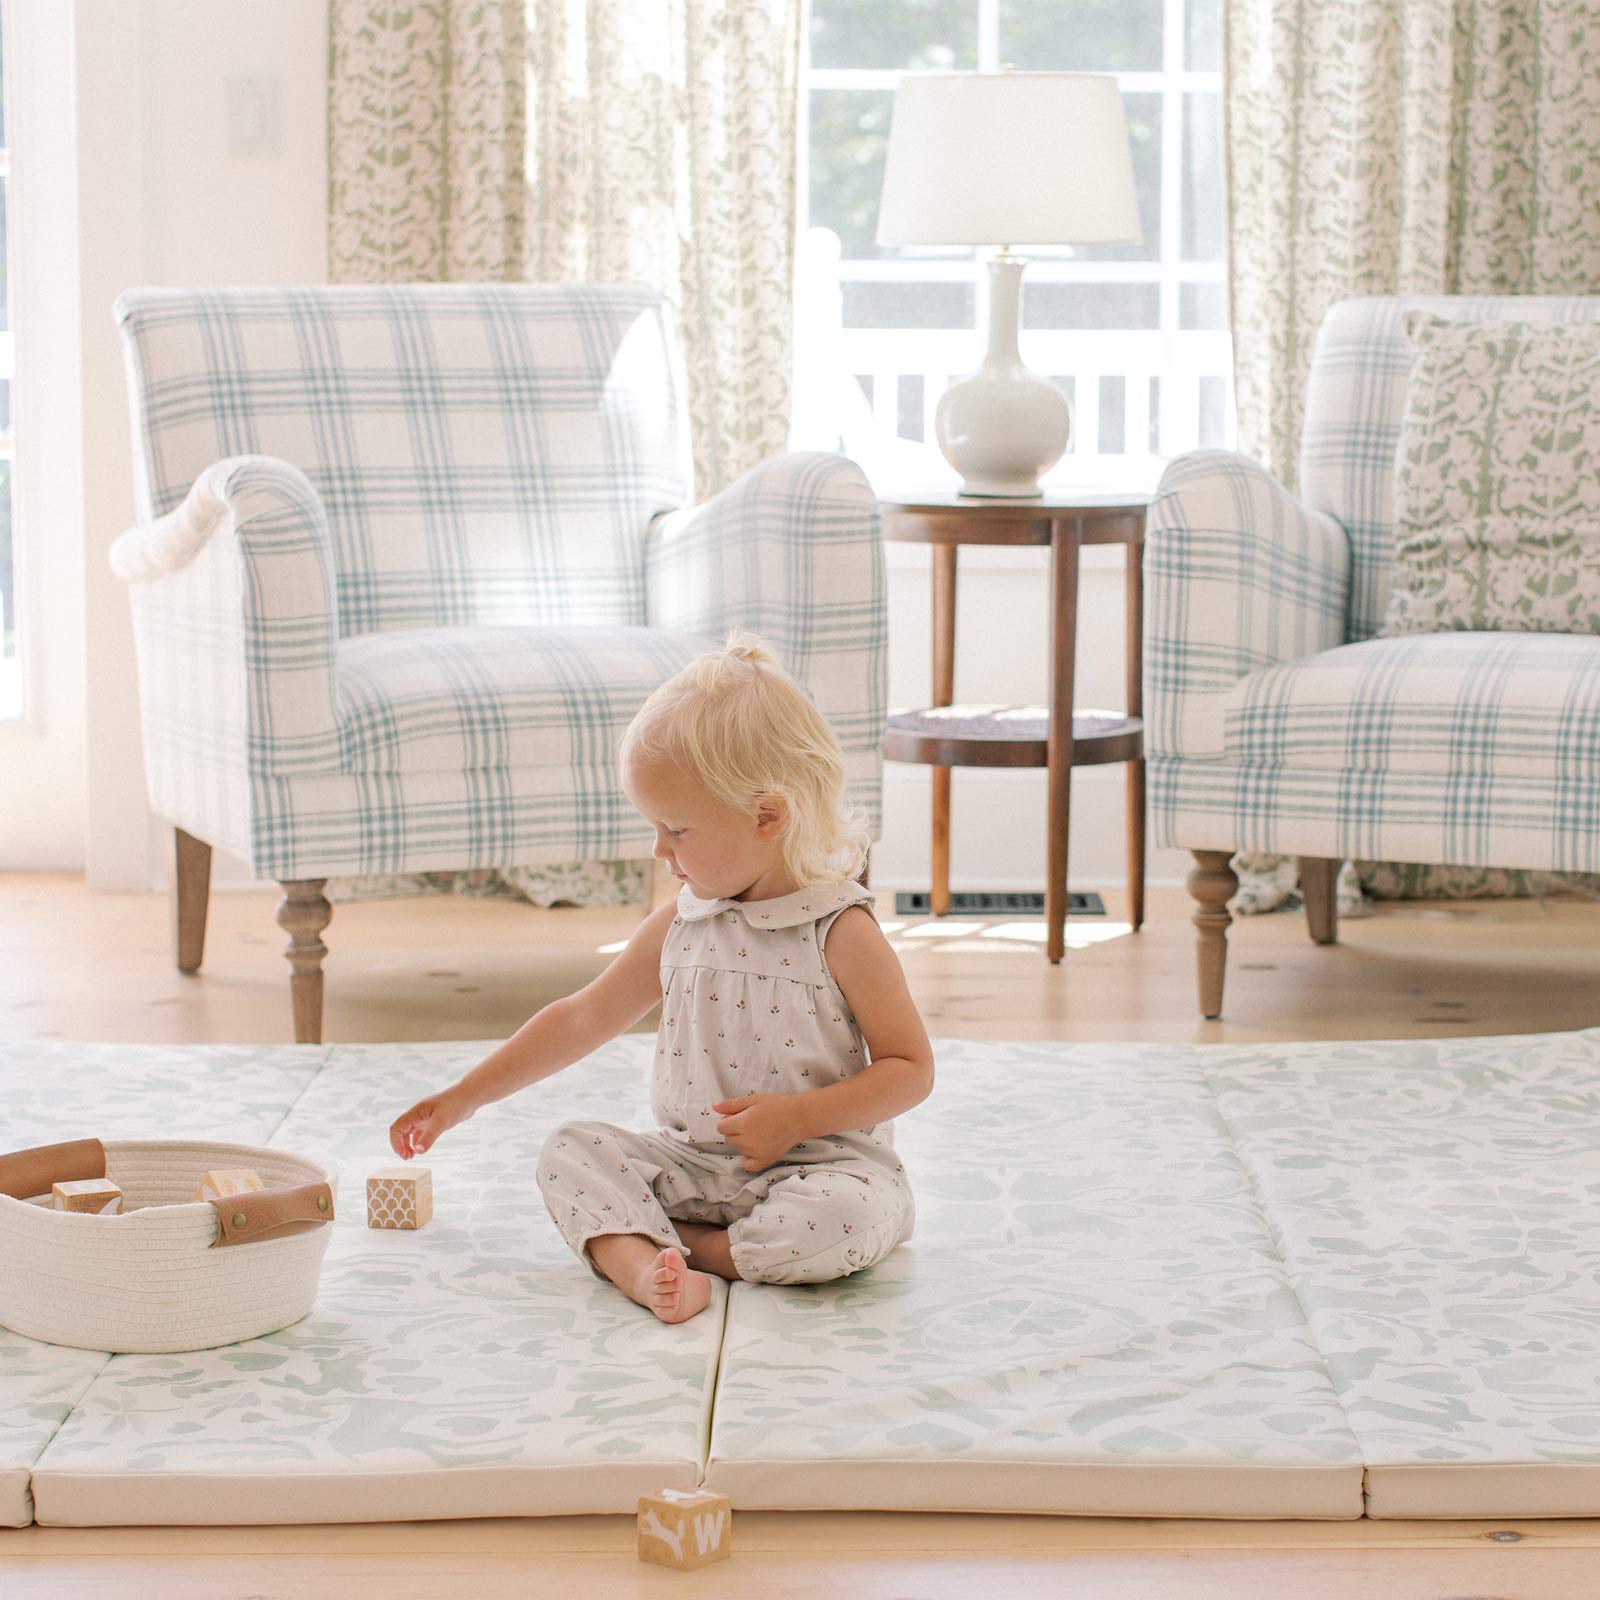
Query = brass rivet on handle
x=322 y=1202
x=239 y=1219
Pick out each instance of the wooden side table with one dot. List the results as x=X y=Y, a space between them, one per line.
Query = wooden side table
x=945 y=735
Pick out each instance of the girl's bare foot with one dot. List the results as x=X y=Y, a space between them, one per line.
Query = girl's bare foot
x=667 y=1287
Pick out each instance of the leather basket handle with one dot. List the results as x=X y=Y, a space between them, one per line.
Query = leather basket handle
x=25 y=1173
x=271 y=1213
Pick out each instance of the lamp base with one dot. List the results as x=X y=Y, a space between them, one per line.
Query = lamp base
x=1002 y=427
x=1003 y=489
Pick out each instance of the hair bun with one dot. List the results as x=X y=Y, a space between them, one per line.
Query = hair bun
x=742 y=646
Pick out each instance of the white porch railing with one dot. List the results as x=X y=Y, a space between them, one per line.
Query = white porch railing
x=1137 y=396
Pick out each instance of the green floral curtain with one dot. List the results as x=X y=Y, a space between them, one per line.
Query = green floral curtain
x=1397 y=147
x=602 y=141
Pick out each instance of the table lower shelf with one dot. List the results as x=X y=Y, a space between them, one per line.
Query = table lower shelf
x=1007 y=736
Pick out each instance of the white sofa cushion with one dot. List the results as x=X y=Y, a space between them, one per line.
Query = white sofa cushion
x=1516 y=706
x=467 y=699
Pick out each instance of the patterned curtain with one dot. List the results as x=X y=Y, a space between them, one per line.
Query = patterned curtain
x=645 y=141
x=599 y=141
x=1397 y=147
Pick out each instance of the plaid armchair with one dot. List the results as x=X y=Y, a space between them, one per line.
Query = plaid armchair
x=1277 y=721
x=411 y=557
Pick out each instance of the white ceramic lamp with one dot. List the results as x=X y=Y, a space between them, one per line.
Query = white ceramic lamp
x=1007 y=158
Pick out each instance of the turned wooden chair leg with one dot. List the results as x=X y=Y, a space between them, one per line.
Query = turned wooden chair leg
x=191 y=892
x=303 y=913
x=1213 y=884
x=1318 y=875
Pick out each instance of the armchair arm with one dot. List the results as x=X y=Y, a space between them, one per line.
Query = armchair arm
x=1239 y=575
x=236 y=623
x=792 y=550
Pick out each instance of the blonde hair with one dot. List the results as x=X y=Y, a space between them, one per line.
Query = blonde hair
x=736 y=721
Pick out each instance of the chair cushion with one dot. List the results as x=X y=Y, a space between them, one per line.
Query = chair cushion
x=460 y=699
x=1497 y=498
x=1522 y=706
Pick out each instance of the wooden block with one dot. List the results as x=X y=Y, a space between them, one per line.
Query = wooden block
x=400 y=1197
x=98 y=1195
x=227 y=1180
x=685 y=1528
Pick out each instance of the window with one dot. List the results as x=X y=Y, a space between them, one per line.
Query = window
x=1136 y=335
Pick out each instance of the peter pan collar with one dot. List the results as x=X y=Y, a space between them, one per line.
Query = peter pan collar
x=782 y=911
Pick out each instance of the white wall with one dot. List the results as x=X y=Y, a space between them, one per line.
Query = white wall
x=42 y=757
x=125 y=176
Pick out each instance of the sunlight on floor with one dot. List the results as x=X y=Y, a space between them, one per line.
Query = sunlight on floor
x=1079 y=933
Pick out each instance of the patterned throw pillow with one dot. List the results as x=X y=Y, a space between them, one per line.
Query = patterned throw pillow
x=1497 y=479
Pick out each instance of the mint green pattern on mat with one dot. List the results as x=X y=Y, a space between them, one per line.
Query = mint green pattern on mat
x=51 y=1092
x=1146 y=1279
x=1438 y=1205
x=1091 y=1293
x=463 y=1369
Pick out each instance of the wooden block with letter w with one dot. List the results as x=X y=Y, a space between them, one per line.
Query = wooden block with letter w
x=685 y=1528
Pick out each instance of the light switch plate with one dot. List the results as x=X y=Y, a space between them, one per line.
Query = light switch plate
x=254 y=117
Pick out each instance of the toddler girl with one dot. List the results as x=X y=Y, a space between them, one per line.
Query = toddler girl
x=788 y=1039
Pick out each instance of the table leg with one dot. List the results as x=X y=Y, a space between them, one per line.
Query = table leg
x=1064 y=539
x=1134 y=584
x=944 y=679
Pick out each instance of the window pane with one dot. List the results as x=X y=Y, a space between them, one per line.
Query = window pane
x=1202 y=305
x=1213 y=413
x=1091 y=305
x=1113 y=416
x=1202 y=36
x=849 y=138
x=1081 y=35
x=908 y=305
x=908 y=421
x=1203 y=228
x=934 y=35
x=1144 y=140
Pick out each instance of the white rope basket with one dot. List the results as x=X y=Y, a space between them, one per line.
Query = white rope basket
x=170 y=1273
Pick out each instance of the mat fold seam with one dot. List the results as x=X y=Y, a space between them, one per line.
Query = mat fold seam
x=1272 y=1232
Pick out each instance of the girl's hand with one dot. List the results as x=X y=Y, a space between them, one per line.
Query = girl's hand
x=413 y=1132
x=761 y=1127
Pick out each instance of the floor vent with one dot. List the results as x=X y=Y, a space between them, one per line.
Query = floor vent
x=992 y=902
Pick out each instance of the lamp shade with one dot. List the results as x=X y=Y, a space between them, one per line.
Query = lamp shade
x=1008 y=158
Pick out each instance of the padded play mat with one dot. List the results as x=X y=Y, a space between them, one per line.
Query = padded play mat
x=1317 y=1280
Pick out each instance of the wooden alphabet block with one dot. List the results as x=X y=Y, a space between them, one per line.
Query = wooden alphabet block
x=227 y=1180
x=400 y=1197
x=685 y=1528
x=98 y=1195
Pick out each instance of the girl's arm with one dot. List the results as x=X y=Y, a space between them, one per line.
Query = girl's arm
x=900 y=1072
x=554 y=1037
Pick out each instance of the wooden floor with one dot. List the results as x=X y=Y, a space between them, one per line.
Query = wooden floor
x=87 y=966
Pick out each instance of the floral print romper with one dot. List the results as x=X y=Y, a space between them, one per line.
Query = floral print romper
x=748 y=1007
